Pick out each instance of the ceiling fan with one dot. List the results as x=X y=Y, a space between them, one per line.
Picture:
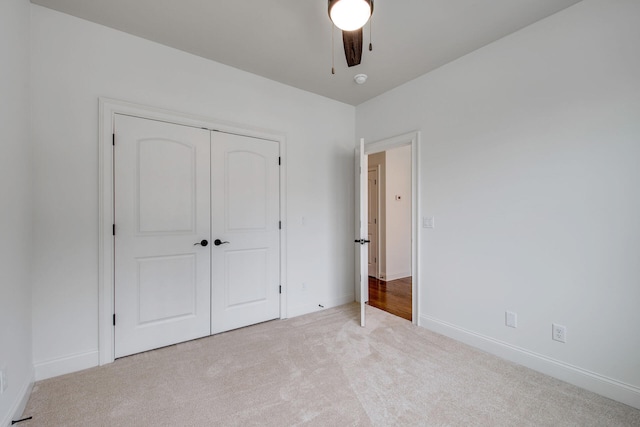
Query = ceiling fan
x=350 y=16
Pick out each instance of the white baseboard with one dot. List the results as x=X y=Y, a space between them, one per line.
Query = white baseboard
x=310 y=308
x=600 y=384
x=396 y=276
x=15 y=413
x=67 y=364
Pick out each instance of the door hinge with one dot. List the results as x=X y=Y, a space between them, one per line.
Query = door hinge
x=113 y=139
x=280 y=289
x=279 y=161
x=114 y=319
x=113 y=230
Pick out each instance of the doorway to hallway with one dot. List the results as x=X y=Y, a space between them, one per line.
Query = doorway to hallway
x=393 y=274
x=393 y=296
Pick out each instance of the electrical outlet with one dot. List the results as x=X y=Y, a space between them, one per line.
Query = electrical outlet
x=511 y=319
x=558 y=332
x=3 y=379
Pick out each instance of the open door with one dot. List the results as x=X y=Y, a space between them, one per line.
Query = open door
x=362 y=257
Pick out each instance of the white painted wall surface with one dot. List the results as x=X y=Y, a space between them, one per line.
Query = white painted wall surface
x=398 y=213
x=16 y=245
x=529 y=163
x=74 y=63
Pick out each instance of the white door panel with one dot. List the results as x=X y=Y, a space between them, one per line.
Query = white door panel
x=372 y=221
x=168 y=166
x=246 y=190
x=162 y=208
x=245 y=213
x=166 y=288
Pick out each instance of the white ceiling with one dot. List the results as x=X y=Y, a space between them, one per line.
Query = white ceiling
x=290 y=40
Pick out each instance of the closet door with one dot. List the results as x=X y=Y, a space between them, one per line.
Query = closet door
x=245 y=230
x=162 y=230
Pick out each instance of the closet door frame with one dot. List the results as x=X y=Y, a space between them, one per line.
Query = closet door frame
x=108 y=108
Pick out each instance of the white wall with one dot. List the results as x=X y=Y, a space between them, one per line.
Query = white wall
x=529 y=163
x=74 y=63
x=15 y=212
x=398 y=213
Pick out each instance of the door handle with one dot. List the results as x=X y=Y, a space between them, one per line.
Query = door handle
x=362 y=241
x=203 y=243
x=219 y=242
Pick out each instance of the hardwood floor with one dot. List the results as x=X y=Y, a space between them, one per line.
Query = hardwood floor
x=393 y=297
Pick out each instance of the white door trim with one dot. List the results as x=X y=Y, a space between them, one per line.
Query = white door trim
x=376 y=169
x=108 y=108
x=412 y=139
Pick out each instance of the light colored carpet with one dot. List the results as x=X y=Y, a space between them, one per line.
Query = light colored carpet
x=321 y=369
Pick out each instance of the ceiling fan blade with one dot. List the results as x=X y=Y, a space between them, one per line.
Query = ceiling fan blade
x=352 y=41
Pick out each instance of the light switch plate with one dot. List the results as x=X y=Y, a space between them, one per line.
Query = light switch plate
x=3 y=379
x=511 y=319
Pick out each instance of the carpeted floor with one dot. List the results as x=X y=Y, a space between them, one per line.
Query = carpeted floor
x=321 y=369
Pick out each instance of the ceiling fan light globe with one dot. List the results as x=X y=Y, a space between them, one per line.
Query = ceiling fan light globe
x=350 y=15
